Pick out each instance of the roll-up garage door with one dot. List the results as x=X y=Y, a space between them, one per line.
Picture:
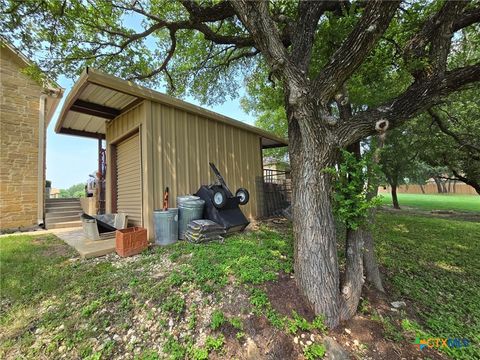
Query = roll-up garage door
x=129 y=180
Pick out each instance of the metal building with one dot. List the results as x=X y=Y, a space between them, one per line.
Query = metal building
x=154 y=141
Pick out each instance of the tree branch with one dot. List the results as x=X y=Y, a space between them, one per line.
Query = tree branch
x=309 y=13
x=198 y=16
x=220 y=11
x=165 y=62
x=256 y=18
x=350 y=55
x=467 y=18
x=437 y=32
x=417 y=98
x=443 y=128
x=466 y=180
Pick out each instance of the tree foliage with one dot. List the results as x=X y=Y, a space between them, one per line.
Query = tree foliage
x=74 y=191
x=449 y=137
x=351 y=189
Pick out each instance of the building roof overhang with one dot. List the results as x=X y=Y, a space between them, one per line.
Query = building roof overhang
x=97 y=98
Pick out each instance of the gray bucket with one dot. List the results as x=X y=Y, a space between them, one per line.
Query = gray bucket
x=188 y=210
x=166 y=226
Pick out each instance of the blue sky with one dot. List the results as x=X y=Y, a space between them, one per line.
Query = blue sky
x=70 y=158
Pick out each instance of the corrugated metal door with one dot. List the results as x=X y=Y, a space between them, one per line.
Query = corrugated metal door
x=129 y=179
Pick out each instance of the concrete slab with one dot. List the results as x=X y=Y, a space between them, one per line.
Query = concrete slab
x=76 y=238
x=86 y=248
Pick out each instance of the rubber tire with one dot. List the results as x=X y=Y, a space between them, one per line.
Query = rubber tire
x=246 y=196
x=224 y=198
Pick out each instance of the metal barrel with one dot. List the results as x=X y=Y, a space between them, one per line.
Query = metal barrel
x=166 y=226
x=188 y=210
x=183 y=198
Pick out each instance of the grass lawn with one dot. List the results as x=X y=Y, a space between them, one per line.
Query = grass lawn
x=164 y=303
x=436 y=201
x=434 y=264
x=211 y=300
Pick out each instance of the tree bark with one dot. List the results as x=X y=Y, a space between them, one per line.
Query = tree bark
x=353 y=280
x=422 y=188
x=394 y=196
x=439 y=184
x=315 y=251
x=370 y=263
x=444 y=187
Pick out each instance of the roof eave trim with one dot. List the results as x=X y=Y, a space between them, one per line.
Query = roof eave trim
x=130 y=88
x=92 y=76
x=70 y=99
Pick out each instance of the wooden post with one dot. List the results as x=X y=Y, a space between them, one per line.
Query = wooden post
x=99 y=187
x=100 y=156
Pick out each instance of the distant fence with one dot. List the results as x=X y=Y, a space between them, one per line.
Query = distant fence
x=453 y=188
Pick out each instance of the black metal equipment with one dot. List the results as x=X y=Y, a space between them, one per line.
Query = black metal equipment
x=221 y=206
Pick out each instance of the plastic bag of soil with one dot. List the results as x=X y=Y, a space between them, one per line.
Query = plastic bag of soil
x=196 y=238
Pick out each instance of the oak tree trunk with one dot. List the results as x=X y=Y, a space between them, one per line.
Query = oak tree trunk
x=370 y=264
x=394 y=196
x=315 y=248
x=353 y=282
x=353 y=279
x=316 y=263
x=439 y=184
x=444 y=187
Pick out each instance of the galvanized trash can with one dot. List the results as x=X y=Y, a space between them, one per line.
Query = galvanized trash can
x=188 y=210
x=166 y=226
x=183 y=198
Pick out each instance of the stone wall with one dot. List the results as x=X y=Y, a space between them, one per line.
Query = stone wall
x=89 y=205
x=19 y=116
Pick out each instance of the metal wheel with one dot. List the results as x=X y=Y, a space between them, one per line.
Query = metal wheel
x=243 y=196
x=219 y=198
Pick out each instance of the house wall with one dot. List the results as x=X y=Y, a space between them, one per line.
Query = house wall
x=19 y=117
x=184 y=143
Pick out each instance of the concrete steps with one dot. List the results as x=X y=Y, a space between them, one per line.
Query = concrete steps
x=62 y=213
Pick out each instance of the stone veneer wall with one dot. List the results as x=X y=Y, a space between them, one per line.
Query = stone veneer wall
x=19 y=116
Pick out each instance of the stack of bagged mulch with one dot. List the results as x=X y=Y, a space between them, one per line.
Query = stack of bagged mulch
x=199 y=231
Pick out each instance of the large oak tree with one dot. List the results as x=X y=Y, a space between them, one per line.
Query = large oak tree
x=205 y=46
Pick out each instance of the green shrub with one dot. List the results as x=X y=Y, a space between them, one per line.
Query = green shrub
x=214 y=343
x=314 y=351
x=217 y=320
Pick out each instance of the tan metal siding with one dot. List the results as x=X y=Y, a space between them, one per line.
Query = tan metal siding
x=125 y=123
x=129 y=179
x=183 y=145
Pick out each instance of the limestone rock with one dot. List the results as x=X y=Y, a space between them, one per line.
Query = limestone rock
x=334 y=350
